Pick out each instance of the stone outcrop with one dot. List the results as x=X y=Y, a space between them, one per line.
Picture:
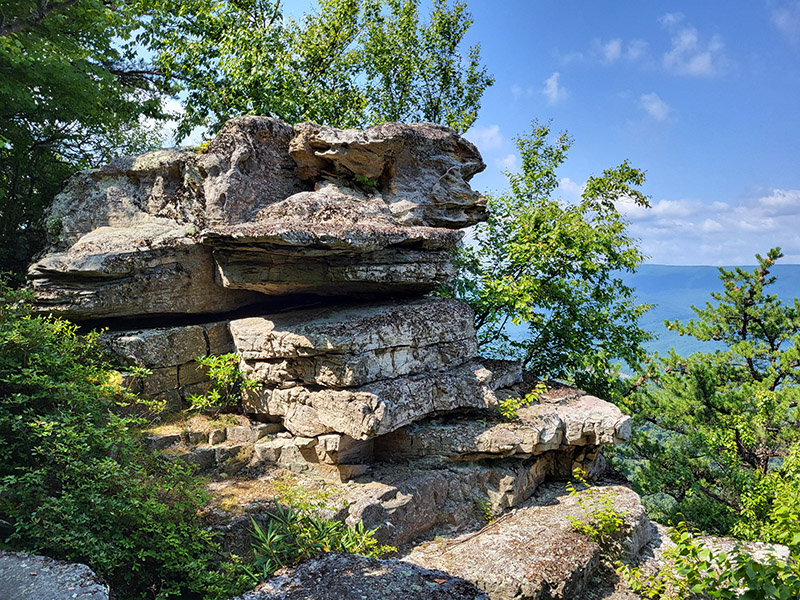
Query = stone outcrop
x=267 y=209
x=31 y=577
x=535 y=553
x=308 y=251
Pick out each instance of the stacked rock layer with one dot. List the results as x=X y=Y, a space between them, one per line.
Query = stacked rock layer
x=309 y=252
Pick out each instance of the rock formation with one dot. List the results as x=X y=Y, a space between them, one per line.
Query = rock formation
x=308 y=251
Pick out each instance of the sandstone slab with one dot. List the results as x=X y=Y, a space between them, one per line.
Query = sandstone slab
x=582 y=421
x=135 y=270
x=352 y=346
x=375 y=408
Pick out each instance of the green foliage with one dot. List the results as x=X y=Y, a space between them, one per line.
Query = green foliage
x=692 y=571
x=554 y=267
x=349 y=63
x=227 y=381
x=509 y=407
x=600 y=519
x=75 y=482
x=719 y=424
x=293 y=535
x=70 y=98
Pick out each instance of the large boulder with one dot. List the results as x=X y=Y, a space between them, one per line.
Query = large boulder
x=535 y=552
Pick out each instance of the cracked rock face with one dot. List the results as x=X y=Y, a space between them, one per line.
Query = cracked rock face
x=267 y=209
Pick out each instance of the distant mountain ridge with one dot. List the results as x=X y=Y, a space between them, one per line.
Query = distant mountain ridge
x=673 y=289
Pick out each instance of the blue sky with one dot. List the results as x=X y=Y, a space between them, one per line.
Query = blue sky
x=705 y=96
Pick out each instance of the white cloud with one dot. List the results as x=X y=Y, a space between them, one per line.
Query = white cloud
x=636 y=50
x=655 y=106
x=786 y=17
x=689 y=55
x=522 y=92
x=722 y=233
x=710 y=225
x=507 y=163
x=571 y=189
x=553 y=90
x=609 y=52
x=486 y=138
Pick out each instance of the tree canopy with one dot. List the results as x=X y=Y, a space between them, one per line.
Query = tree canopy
x=719 y=424
x=70 y=97
x=552 y=269
x=349 y=63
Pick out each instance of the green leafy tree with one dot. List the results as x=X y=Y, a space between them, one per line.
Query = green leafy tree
x=75 y=481
x=70 y=98
x=553 y=268
x=349 y=63
x=719 y=424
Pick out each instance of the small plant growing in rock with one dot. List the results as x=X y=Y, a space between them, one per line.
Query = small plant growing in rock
x=366 y=182
x=293 y=535
x=486 y=510
x=600 y=519
x=227 y=382
x=509 y=407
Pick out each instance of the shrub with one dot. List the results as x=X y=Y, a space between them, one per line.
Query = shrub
x=75 y=482
x=293 y=535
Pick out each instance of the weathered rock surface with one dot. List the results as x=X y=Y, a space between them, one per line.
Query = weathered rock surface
x=421 y=170
x=534 y=552
x=375 y=408
x=135 y=270
x=335 y=576
x=582 y=421
x=178 y=232
x=30 y=577
x=328 y=241
x=352 y=346
x=245 y=169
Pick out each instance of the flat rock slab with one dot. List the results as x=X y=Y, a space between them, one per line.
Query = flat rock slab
x=534 y=553
x=336 y=576
x=582 y=421
x=137 y=270
x=31 y=577
x=353 y=346
x=375 y=408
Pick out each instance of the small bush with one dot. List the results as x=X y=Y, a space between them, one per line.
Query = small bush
x=75 y=482
x=227 y=382
x=293 y=535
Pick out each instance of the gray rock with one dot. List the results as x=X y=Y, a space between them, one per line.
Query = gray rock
x=246 y=168
x=535 y=552
x=134 y=270
x=375 y=408
x=421 y=169
x=334 y=576
x=152 y=191
x=30 y=577
x=583 y=421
